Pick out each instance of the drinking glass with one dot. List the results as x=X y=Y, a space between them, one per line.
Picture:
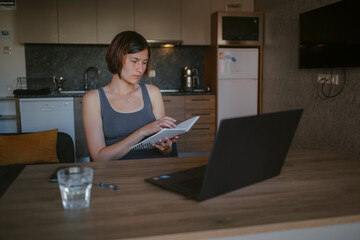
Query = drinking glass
x=75 y=186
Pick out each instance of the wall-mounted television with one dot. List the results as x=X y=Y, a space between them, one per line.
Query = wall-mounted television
x=330 y=36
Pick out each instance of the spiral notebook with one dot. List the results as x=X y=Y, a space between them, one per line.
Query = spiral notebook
x=166 y=132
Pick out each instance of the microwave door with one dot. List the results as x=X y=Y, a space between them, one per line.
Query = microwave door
x=238 y=63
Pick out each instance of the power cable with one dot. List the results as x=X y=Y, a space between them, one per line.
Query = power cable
x=322 y=94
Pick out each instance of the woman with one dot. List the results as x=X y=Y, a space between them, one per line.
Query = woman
x=124 y=112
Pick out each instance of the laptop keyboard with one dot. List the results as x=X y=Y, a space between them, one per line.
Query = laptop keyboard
x=193 y=183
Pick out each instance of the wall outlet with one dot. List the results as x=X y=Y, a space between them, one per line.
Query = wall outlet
x=152 y=73
x=325 y=78
x=9 y=88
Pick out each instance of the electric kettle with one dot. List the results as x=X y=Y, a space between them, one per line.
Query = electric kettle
x=190 y=78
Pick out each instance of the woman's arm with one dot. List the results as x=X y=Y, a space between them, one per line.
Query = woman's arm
x=165 y=147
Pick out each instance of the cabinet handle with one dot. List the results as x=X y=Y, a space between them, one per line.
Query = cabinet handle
x=201 y=114
x=167 y=100
x=200 y=128
x=233 y=5
x=200 y=100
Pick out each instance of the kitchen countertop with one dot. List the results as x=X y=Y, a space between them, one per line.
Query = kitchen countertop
x=7 y=97
x=75 y=94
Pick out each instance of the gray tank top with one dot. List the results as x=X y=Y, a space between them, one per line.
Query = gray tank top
x=117 y=125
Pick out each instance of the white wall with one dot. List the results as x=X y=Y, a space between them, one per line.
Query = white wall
x=11 y=65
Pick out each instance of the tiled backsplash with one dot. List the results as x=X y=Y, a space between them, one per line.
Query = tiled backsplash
x=70 y=61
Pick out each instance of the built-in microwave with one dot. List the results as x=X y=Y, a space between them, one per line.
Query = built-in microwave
x=244 y=28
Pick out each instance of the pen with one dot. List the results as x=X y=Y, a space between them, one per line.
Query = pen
x=107 y=185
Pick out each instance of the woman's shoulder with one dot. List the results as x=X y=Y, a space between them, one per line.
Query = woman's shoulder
x=91 y=95
x=152 y=89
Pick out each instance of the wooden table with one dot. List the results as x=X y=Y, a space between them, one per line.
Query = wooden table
x=315 y=188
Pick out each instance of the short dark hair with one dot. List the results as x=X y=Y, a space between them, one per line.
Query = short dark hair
x=126 y=42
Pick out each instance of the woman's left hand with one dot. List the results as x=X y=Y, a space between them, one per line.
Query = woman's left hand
x=165 y=147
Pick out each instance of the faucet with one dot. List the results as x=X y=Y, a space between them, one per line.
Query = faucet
x=86 y=76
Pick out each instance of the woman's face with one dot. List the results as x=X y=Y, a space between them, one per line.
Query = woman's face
x=134 y=66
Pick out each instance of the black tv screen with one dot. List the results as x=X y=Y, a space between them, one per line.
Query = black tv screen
x=330 y=37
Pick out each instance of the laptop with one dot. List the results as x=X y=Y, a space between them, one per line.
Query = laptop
x=246 y=150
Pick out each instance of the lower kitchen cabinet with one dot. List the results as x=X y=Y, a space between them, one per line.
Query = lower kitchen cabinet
x=9 y=115
x=201 y=137
x=175 y=108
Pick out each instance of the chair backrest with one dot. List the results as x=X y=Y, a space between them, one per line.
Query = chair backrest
x=174 y=152
x=65 y=148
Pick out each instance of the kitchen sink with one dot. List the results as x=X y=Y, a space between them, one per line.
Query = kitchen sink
x=169 y=90
x=72 y=92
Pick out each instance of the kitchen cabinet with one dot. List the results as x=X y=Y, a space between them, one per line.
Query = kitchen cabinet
x=175 y=108
x=57 y=21
x=9 y=115
x=201 y=137
x=80 y=138
x=77 y=21
x=195 y=22
x=158 y=19
x=220 y=5
x=37 y=21
x=98 y=21
x=113 y=17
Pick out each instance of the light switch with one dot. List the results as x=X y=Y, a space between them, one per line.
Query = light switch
x=6 y=50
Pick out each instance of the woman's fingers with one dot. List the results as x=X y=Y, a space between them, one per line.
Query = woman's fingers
x=167 y=122
x=163 y=145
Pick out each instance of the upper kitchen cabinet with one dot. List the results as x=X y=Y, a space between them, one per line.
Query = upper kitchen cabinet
x=233 y=5
x=37 y=21
x=77 y=21
x=158 y=19
x=195 y=22
x=114 y=16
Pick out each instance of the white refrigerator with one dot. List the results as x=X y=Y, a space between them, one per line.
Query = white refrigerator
x=238 y=70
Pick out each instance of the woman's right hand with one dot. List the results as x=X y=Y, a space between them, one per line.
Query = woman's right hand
x=157 y=125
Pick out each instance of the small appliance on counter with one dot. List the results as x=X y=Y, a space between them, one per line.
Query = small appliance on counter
x=190 y=79
x=58 y=84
